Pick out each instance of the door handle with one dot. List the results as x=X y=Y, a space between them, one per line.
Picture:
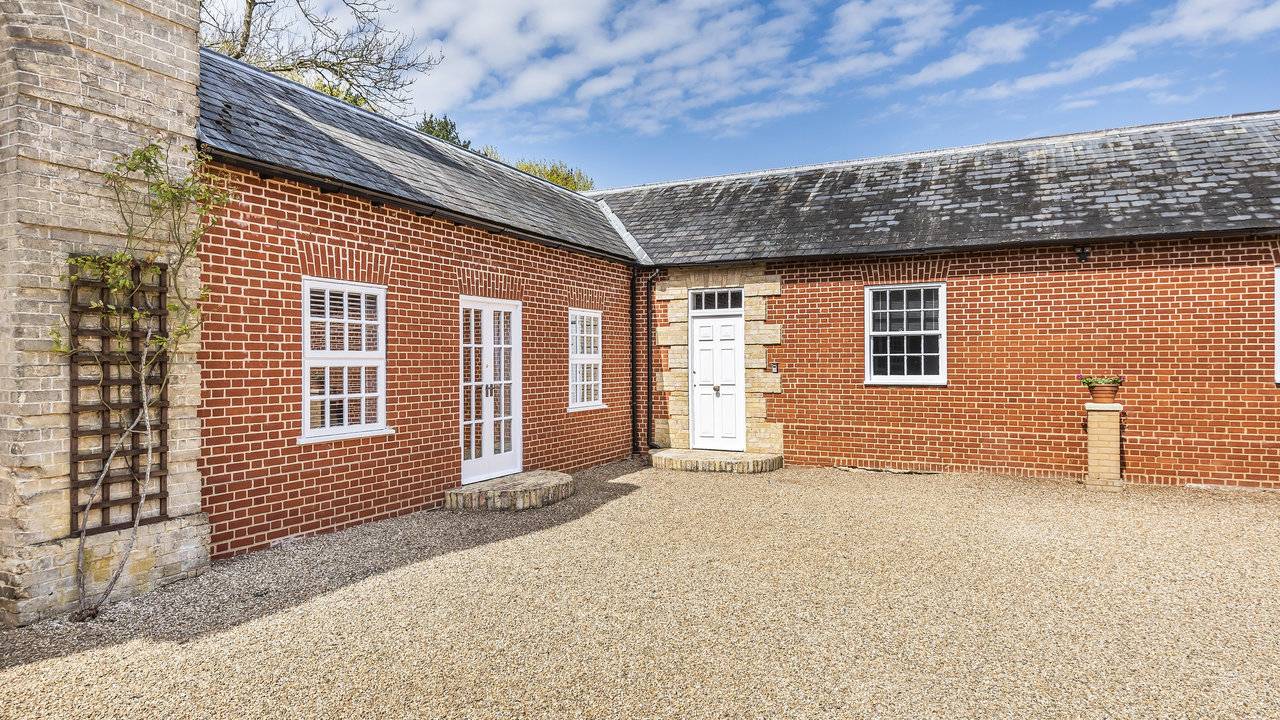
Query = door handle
x=716 y=388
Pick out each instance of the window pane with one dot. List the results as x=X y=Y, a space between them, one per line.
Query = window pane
x=880 y=322
x=897 y=344
x=371 y=338
x=880 y=345
x=897 y=365
x=913 y=344
x=354 y=336
x=336 y=335
x=913 y=299
x=337 y=417
x=371 y=307
x=931 y=343
x=897 y=321
x=371 y=380
x=930 y=319
x=722 y=301
x=913 y=364
x=370 y=411
x=466 y=326
x=881 y=366
x=335 y=380
x=317 y=330
x=931 y=365
x=354 y=382
x=317 y=303
x=931 y=298
x=697 y=301
x=897 y=299
x=880 y=300
x=353 y=411
x=737 y=299
x=913 y=321
x=353 y=306
x=317 y=381
x=317 y=414
x=335 y=303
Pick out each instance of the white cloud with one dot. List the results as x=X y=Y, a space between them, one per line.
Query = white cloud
x=983 y=46
x=1108 y=4
x=1206 y=22
x=1077 y=104
x=707 y=65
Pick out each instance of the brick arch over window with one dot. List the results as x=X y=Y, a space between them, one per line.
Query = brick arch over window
x=343 y=261
x=482 y=283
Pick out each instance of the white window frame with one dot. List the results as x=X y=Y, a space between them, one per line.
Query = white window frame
x=869 y=376
x=586 y=359
x=331 y=358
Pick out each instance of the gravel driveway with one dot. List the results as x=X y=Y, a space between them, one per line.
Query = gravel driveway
x=803 y=593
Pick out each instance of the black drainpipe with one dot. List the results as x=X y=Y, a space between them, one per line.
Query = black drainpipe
x=635 y=416
x=648 y=327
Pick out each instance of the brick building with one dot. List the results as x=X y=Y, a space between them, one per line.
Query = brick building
x=398 y=315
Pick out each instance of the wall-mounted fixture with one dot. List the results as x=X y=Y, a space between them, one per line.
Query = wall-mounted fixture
x=1082 y=252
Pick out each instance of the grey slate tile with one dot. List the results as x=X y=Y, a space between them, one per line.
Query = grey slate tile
x=1221 y=173
x=247 y=112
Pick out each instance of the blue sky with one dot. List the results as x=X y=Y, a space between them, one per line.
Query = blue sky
x=658 y=90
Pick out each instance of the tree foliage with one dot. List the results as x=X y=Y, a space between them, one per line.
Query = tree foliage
x=443 y=128
x=556 y=171
x=352 y=54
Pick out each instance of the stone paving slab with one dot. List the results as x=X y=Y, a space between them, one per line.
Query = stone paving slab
x=715 y=461
x=521 y=491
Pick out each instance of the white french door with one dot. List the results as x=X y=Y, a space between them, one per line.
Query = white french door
x=489 y=360
x=717 y=383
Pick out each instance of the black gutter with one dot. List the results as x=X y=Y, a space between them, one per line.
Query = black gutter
x=648 y=327
x=331 y=185
x=1223 y=234
x=635 y=416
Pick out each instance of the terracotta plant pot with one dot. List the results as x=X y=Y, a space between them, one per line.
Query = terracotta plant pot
x=1104 y=393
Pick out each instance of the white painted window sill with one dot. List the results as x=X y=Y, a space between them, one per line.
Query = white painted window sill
x=581 y=408
x=376 y=432
x=907 y=381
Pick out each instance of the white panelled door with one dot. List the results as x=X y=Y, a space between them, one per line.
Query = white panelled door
x=490 y=383
x=717 y=382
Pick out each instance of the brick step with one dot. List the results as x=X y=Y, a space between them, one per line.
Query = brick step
x=715 y=461
x=521 y=491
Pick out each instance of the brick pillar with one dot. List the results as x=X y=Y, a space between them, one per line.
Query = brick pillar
x=80 y=81
x=1104 y=447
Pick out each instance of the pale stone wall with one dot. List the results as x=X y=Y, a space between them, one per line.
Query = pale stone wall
x=1105 y=469
x=673 y=431
x=80 y=81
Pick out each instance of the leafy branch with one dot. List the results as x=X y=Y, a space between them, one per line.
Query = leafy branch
x=164 y=215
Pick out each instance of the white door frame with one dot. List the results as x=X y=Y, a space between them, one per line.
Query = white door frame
x=738 y=314
x=488 y=465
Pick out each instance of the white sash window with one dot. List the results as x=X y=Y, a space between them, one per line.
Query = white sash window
x=344 y=359
x=585 y=360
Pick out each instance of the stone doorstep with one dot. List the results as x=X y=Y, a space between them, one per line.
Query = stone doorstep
x=715 y=461
x=521 y=491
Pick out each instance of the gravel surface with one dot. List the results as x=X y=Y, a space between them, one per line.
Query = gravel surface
x=802 y=593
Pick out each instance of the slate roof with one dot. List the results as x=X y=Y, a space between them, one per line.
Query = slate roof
x=1215 y=175
x=246 y=113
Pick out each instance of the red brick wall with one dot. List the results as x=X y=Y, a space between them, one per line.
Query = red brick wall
x=260 y=485
x=1190 y=323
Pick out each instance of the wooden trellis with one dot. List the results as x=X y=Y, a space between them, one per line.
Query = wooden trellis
x=109 y=339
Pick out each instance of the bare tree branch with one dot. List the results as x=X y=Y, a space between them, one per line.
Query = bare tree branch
x=353 y=55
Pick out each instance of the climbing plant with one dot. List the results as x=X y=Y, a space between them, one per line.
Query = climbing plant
x=130 y=311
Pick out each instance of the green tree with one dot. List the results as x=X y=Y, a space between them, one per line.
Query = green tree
x=556 y=171
x=443 y=128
